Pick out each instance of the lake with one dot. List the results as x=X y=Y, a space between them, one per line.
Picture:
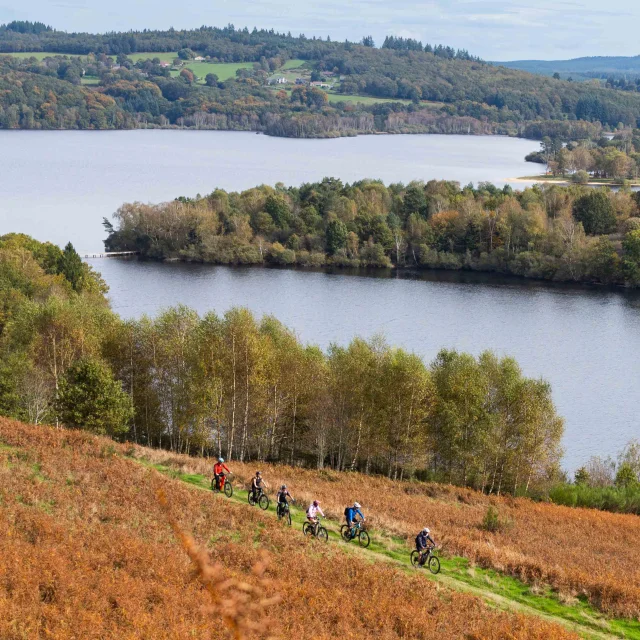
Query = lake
x=584 y=341
x=59 y=185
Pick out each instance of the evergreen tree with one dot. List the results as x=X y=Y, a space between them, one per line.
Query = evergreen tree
x=71 y=267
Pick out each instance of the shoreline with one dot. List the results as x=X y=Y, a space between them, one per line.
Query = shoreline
x=461 y=275
x=543 y=178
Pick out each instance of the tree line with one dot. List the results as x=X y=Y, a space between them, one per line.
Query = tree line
x=549 y=232
x=497 y=99
x=442 y=51
x=248 y=389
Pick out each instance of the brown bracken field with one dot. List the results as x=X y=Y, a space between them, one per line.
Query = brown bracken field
x=95 y=545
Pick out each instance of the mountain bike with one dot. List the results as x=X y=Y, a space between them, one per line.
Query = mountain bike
x=348 y=533
x=426 y=557
x=261 y=499
x=284 y=512
x=225 y=486
x=316 y=530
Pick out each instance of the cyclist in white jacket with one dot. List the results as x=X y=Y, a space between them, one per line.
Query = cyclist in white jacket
x=313 y=511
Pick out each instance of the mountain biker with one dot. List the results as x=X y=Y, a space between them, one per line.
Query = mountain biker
x=313 y=511
x=281 y=498
x=421 y=543
x=218 y=473
x=351 y=513
x=257 y=484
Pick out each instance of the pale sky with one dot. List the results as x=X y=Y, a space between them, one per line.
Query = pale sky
x=493 y=29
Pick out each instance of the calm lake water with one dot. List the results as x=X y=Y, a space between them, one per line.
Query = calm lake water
x=59 y=185
x=585 y=342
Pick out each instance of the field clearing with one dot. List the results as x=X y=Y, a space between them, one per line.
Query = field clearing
x=224 y=70
x=334 y=98
x=168 y=56
x=87 y=551
x=292 y=64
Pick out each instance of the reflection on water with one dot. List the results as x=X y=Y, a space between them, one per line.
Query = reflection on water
x=584 y=340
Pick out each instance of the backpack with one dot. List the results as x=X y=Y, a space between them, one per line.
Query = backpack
x=346 y=512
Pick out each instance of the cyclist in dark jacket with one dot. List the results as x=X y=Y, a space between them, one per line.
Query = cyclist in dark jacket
x=421 y=542
x=257 y=484
x=283 y=496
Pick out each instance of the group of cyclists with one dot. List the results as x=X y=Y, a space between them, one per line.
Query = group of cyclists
x=353 y=514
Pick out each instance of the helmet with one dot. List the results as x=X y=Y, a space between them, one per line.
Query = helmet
x=426 y=531
x=356 y=505
x=258 y=473
x=221 y=460
x=316 y=503
x=283 y=487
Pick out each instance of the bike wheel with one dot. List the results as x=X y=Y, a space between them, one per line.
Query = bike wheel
x=307 y=529
x=415 y=558
x=251 y=499
x=287 y=517
x=434 y=565
x=364 y=539
x=213 y=485
x=263 y=502
x=345 y=534
x=228 y=489
x=322 y=534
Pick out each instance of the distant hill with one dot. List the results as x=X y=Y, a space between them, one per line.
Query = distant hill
x=407 y=87
x=579 y=68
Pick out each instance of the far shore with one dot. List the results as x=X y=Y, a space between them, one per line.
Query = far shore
x=565 y=181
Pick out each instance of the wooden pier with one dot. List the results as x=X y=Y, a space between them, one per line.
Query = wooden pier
x=110 y=254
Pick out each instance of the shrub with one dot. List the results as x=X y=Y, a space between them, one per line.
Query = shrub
x=580 y=177
x=631 y=224
x=626 y=476
x=492 y=521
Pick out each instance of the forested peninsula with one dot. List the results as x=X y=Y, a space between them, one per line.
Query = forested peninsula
x=549 y=232
x=278 y=84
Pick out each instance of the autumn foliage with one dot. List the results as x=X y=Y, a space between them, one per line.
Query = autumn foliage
x=578 y=552
x=88 y=551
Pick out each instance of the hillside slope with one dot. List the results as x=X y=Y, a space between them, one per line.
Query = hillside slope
x=86 y=551
x=579 y=552
x=432 y=90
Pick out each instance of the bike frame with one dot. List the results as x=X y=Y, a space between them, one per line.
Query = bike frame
x=426 y=552
x=355 y=529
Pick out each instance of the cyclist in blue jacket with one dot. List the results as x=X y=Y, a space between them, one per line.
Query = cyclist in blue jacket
x=351 y=513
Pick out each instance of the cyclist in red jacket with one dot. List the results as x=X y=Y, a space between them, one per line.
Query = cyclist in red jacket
x=218 y=473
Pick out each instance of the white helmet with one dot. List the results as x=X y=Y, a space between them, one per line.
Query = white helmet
x=426 y=531
x=356 y=505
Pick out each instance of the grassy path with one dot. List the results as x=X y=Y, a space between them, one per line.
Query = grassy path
x=494 y=588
